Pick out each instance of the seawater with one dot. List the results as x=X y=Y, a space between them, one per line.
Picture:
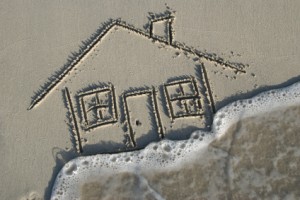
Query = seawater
x=252 y=152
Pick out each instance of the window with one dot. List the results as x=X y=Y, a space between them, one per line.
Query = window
x=183 y=98
x=98 y=107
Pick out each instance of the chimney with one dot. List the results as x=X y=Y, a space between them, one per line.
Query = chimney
x=161 y=28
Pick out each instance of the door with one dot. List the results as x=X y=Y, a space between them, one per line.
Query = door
x=142 y=117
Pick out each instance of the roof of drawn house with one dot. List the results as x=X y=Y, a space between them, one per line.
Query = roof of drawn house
x=96 y=38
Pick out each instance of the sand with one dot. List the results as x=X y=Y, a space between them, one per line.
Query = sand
x=37 y=38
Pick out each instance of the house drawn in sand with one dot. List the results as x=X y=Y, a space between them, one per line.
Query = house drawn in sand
x=129 y=87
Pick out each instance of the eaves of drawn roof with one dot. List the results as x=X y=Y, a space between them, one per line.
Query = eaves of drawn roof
x=54 y=80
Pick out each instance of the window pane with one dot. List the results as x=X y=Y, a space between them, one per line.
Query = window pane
x=98 y=108
x=183 y=98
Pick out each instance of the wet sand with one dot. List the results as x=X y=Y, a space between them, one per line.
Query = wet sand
x=258 y=158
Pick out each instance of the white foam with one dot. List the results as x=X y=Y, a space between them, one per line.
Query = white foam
x=167 y=154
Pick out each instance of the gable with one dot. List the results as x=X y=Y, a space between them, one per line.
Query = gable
x=134 y=63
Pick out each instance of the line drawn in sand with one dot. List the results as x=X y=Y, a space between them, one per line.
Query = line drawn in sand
x=98 y=107
x=183 y=96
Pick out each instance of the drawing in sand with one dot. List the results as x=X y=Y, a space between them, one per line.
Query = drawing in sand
x=134 y=106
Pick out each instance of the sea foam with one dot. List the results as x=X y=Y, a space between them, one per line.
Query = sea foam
x=164 y=155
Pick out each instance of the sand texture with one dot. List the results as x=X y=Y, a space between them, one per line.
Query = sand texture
x=80 y=78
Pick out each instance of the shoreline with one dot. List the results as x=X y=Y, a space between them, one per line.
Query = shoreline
x=161 y=159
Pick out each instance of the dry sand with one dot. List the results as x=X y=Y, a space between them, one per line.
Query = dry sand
x=36 y=38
